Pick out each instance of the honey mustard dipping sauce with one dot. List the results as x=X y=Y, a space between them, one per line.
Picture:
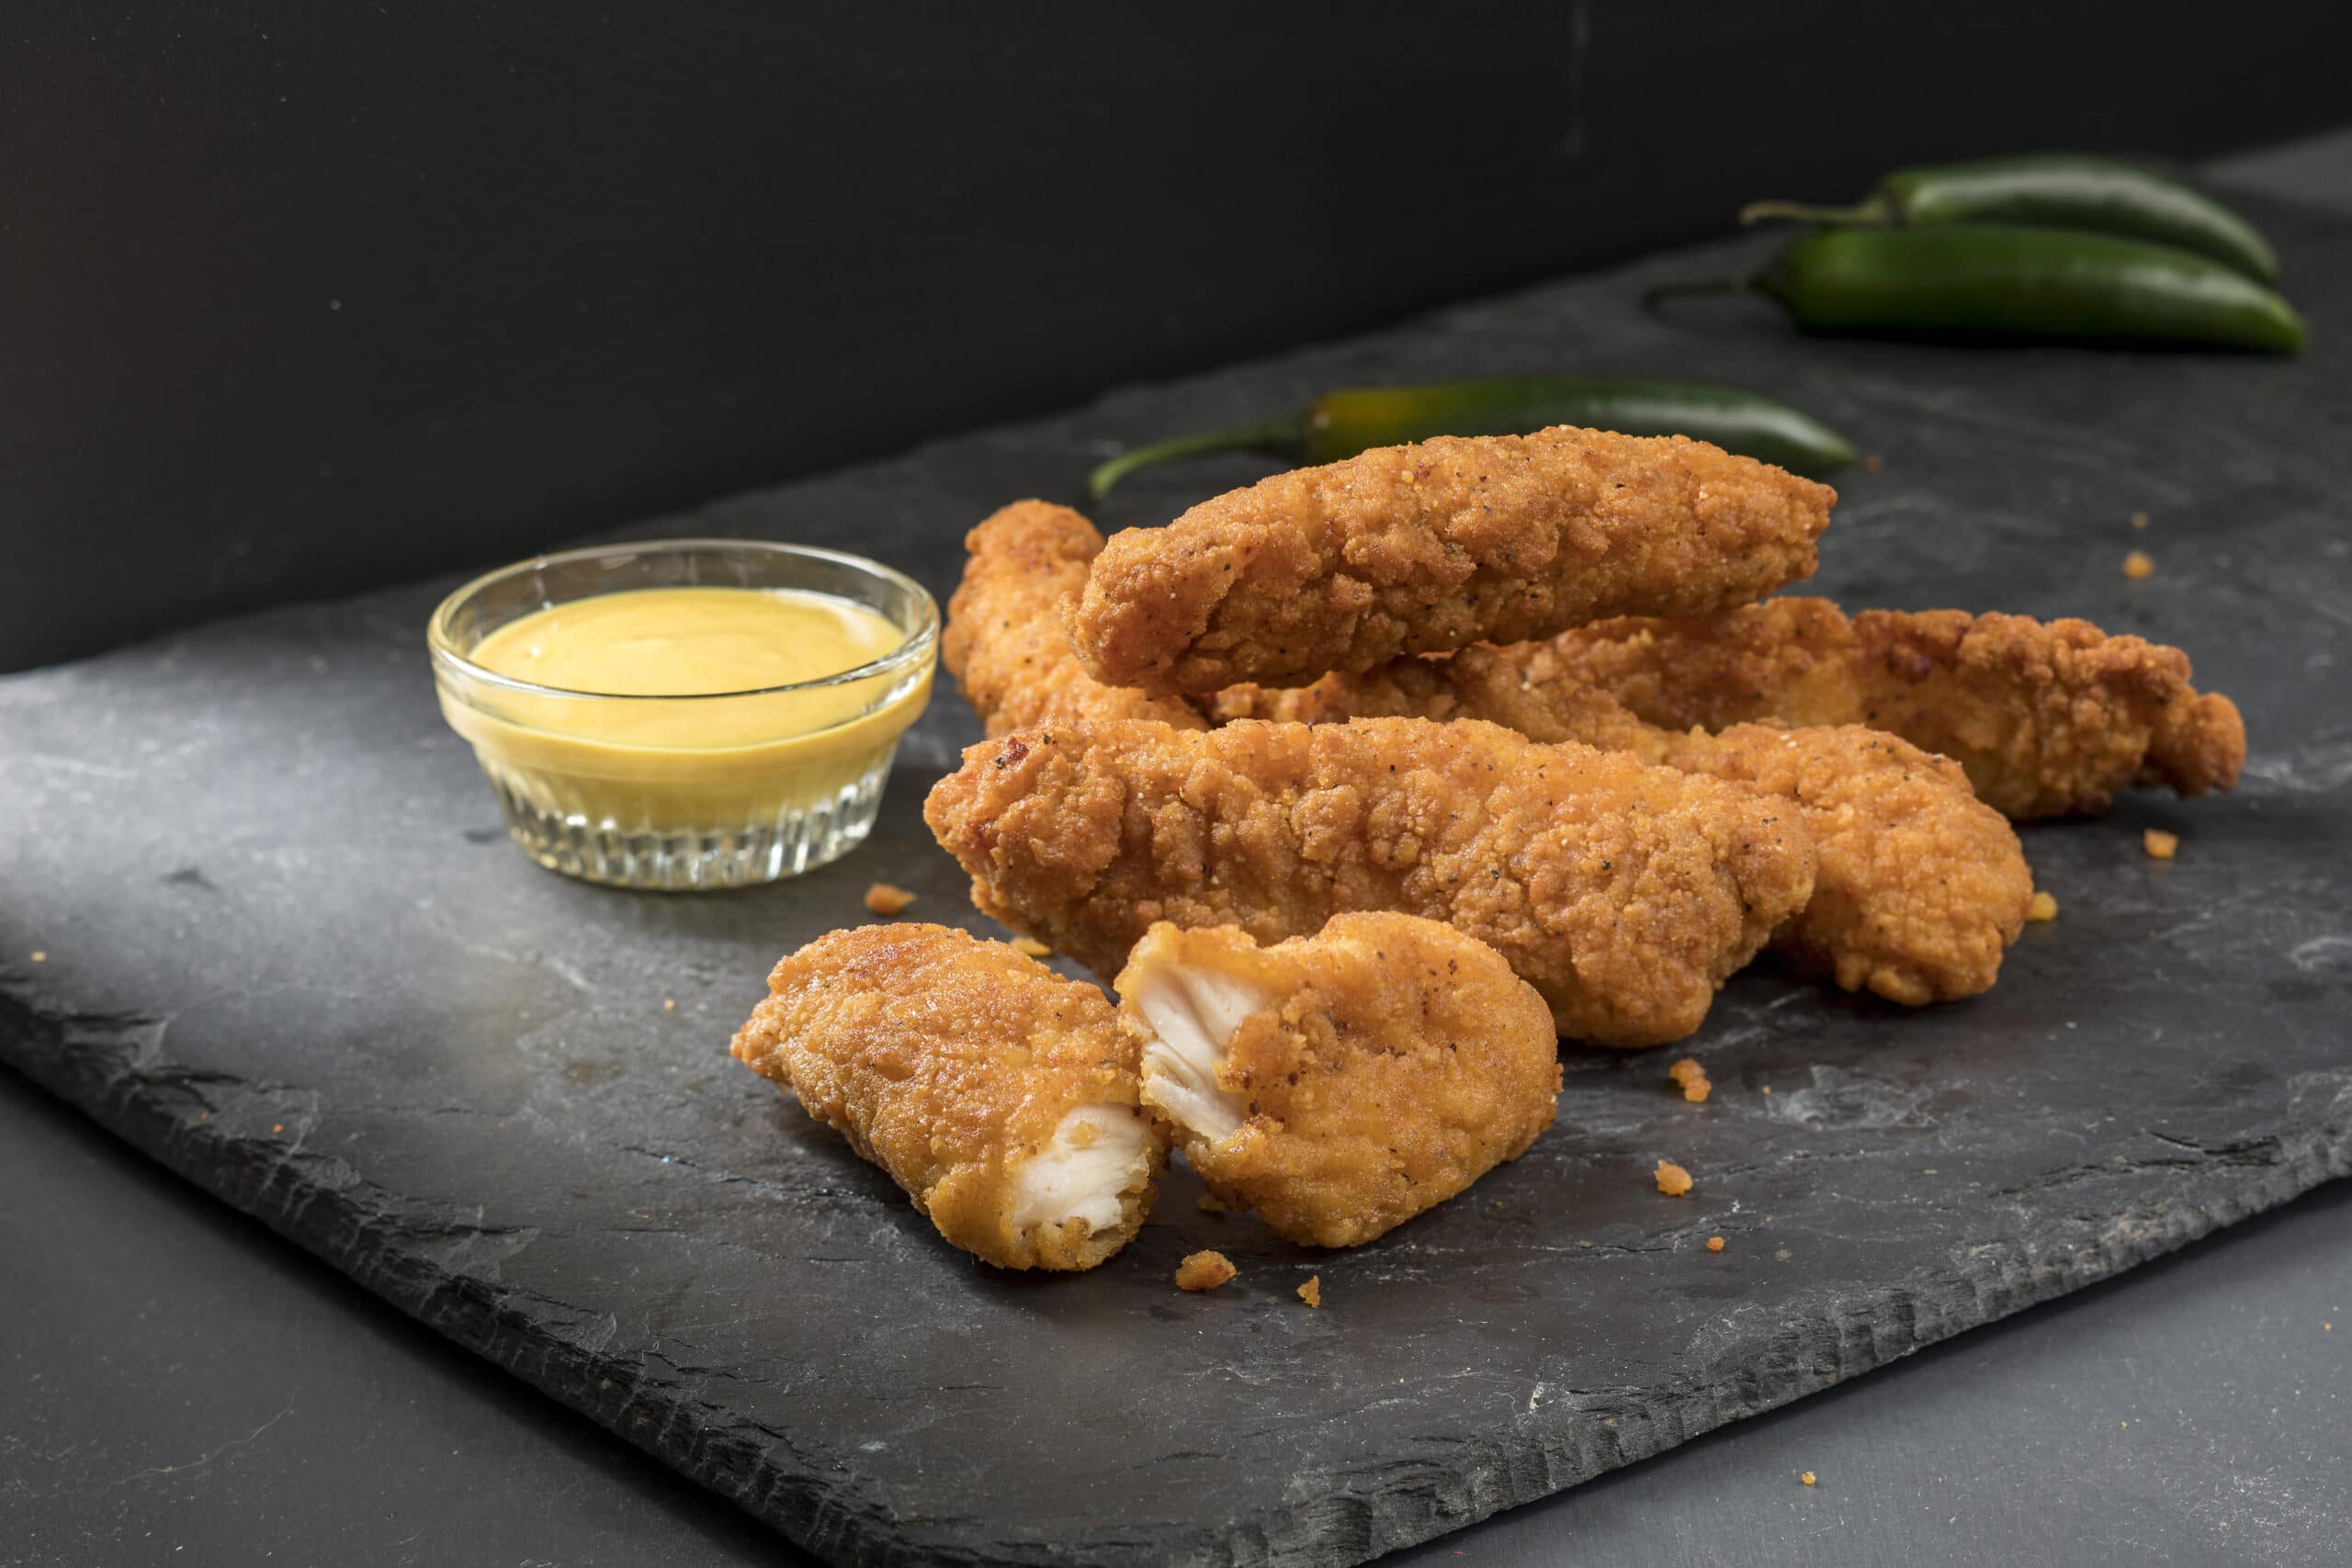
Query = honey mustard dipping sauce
x=686 y=642
x=732 y=728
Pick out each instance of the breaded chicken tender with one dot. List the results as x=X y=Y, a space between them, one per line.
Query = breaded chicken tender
x=1623 y=893
x=2050 y=718
x=1340 y=1083
x=1919 y=886
x=1001 y=1096
x=1438 y=545
x=1005 y=641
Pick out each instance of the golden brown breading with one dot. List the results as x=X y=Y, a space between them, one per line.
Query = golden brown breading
x=1340 y=1083
x=1624 y=893
x=1919 y=886
x=2050 y=718
x=1407 y=549
x=1000 y=1095
x=1005 y=641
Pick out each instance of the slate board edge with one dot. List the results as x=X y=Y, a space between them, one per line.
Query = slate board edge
x=111 y=1067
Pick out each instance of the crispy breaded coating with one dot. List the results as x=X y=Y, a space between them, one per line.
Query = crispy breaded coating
x=1919 y=886
x=1204 y=1271
x=1340 y=1084
x=1005 y=641
x=1623 y=893
x=1001 y=1096
x=1438 y=545
x=2050 y=718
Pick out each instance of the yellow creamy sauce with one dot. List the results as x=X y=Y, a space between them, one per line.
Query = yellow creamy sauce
x=677 y=642
x=649 y=748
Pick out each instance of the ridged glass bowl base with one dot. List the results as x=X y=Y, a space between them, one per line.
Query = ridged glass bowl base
x=795 y=840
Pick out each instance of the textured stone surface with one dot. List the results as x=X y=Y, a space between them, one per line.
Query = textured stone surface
x=289 y=953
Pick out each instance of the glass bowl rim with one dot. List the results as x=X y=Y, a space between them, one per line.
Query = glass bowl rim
x=919 y=643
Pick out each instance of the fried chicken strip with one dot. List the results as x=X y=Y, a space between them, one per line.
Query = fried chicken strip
x=1001 y=1096
x=1919 y=886
x=1438 y=545
x=2050 y=718
x=1342 y=1083
x=1622 y=891
x=1005 y=641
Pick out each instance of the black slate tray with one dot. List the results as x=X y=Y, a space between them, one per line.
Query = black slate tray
x=286 y=951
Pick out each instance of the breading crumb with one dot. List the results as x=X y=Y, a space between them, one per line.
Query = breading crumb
x=1211 y=1203
x=1871 y=462
x=2160 y=844
x=885 y=899
x=1203 y=1271
x=1692 y=1078
x=1807 y=1478
x=1714 y=1244
x=1030 y=947
x=1311 y=1293
x=2139 y=520
x=1672 y=1179
x=40 y=957
x=2139 y=564
x=2043 y=907
x=669 y=1004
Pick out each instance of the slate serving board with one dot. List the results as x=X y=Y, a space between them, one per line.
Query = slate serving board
x=287 y=951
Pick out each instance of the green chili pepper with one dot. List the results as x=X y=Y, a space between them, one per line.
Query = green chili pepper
x=1356 y=419
x=1967 y=280
x=2052 y=190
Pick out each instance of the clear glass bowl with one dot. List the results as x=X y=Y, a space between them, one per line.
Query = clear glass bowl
x=678 y=792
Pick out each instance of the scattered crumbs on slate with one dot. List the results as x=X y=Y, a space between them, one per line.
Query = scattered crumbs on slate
x=40 y=956
x=1808 y=1478
x=886 y=899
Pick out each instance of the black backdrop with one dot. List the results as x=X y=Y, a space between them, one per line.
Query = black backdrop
x=298 y=296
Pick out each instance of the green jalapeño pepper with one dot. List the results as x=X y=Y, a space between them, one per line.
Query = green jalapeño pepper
x=2052 y=190
x=1343 y=423
x=1968 y=280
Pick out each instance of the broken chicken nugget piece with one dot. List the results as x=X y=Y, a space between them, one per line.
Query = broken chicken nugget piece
x=1002 y=1097
x=1342 y=1083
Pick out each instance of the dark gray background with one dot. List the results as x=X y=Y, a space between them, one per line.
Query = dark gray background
x=302 y=297
x=180 y=1386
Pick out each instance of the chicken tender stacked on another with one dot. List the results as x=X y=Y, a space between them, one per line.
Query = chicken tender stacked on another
x=1002 y=1097
x=1919 y=886
x=1340 y=1083
x=1624 y=893
x=2050 y=718
x=1005 y=641
x=1438 y=545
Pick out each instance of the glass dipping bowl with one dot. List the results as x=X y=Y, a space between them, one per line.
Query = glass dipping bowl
x=726 y=789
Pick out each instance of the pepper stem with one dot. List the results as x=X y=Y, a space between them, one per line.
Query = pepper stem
x=1283 y=437
x=1861 y=212
x=1745 y=283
